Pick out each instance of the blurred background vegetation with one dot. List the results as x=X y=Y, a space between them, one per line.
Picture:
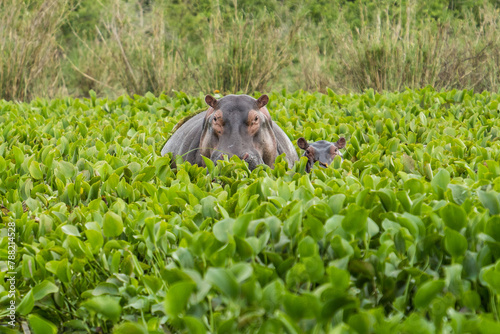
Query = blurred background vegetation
x=52 y=48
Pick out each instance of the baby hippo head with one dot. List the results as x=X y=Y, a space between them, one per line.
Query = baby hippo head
x=322 y=151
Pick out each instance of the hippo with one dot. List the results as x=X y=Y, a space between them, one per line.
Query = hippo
x=233 y=125
x=322 y=151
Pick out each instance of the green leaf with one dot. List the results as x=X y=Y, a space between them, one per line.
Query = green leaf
x=336 y=202
x=208 y=206
x=242 y=271
x=40 y=325
x=453 y=216
x=272 y=295
x=315 y=226
x=339 y=278
x=107 y=306
x=427 y=292
x=307 y=247
x=314 y=267
x=360 y=322
x=70 y=230
x=177 y=297
x=223 y=229
x=223 y=281
x=355 y=220
x=130 y=328
x=300 y=307
x=105 y=288
x=492 y=228
x=488 y=326
x=18 y=155
x=112 y=224
x=3 y=164
x=388 y=199
x=209 y=163
x=455 y=243
x=490 y=201
x=440 y=182
x=77 y=247
x=35 y=170
x=154 y=284
x=241 y=223
x=194 y=325
x=95 y=240
x=43 y=289
x=459 y=193
x=292 y=224
x=341 y=247
x=491 y=275
x=108 y=133
x=66 y=169
x=471 y=300
x=26 y=304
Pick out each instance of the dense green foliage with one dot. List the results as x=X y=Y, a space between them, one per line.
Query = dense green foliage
x=54 y=48
x=403 y=235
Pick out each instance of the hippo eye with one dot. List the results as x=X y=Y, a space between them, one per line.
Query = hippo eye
x=256 y=118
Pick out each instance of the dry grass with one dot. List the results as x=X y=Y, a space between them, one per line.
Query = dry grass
x=137 y=53
x=133 y=54
x=245 y=54
x=30 y=58
x=392 y=55
x=135 y=50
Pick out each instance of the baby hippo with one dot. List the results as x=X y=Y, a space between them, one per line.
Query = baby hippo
x=322 y=151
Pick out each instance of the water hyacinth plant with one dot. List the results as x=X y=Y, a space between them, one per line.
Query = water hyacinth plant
x=401 y=234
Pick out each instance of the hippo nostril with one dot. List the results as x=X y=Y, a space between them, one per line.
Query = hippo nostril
x=245 y=156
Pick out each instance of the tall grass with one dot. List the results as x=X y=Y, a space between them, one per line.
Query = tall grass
x=29 y=55
x=393 y=54
x=136 y=52
x=137 y=46
x=132 y=52
x=244 y=54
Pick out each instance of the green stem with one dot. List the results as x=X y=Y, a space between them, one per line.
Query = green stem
x=494 y=305
x=211 y=315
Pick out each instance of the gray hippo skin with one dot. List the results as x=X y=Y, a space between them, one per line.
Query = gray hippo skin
x=234 y=125
x=322 y=151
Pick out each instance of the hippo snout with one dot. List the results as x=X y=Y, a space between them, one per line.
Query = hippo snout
x=253 y=161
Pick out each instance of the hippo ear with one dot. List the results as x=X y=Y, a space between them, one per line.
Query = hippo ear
x=262 y=101
x=340 y=143
x=302 y=143
x=211 y=101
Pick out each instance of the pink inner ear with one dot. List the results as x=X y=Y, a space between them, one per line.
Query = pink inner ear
x=262 y=101
x=210 y=100
x=210 y=111
x=302 y=143
x=265 y=112
x=340 y=143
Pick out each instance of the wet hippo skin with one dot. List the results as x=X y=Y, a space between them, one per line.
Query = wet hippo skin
x=233 y=125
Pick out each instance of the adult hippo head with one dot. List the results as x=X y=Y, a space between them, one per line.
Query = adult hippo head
x=322 y=151
x=233 y=125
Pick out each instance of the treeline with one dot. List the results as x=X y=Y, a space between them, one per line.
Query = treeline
x=68 y=47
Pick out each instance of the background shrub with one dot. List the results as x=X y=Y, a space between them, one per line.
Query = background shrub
x=114 y=46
